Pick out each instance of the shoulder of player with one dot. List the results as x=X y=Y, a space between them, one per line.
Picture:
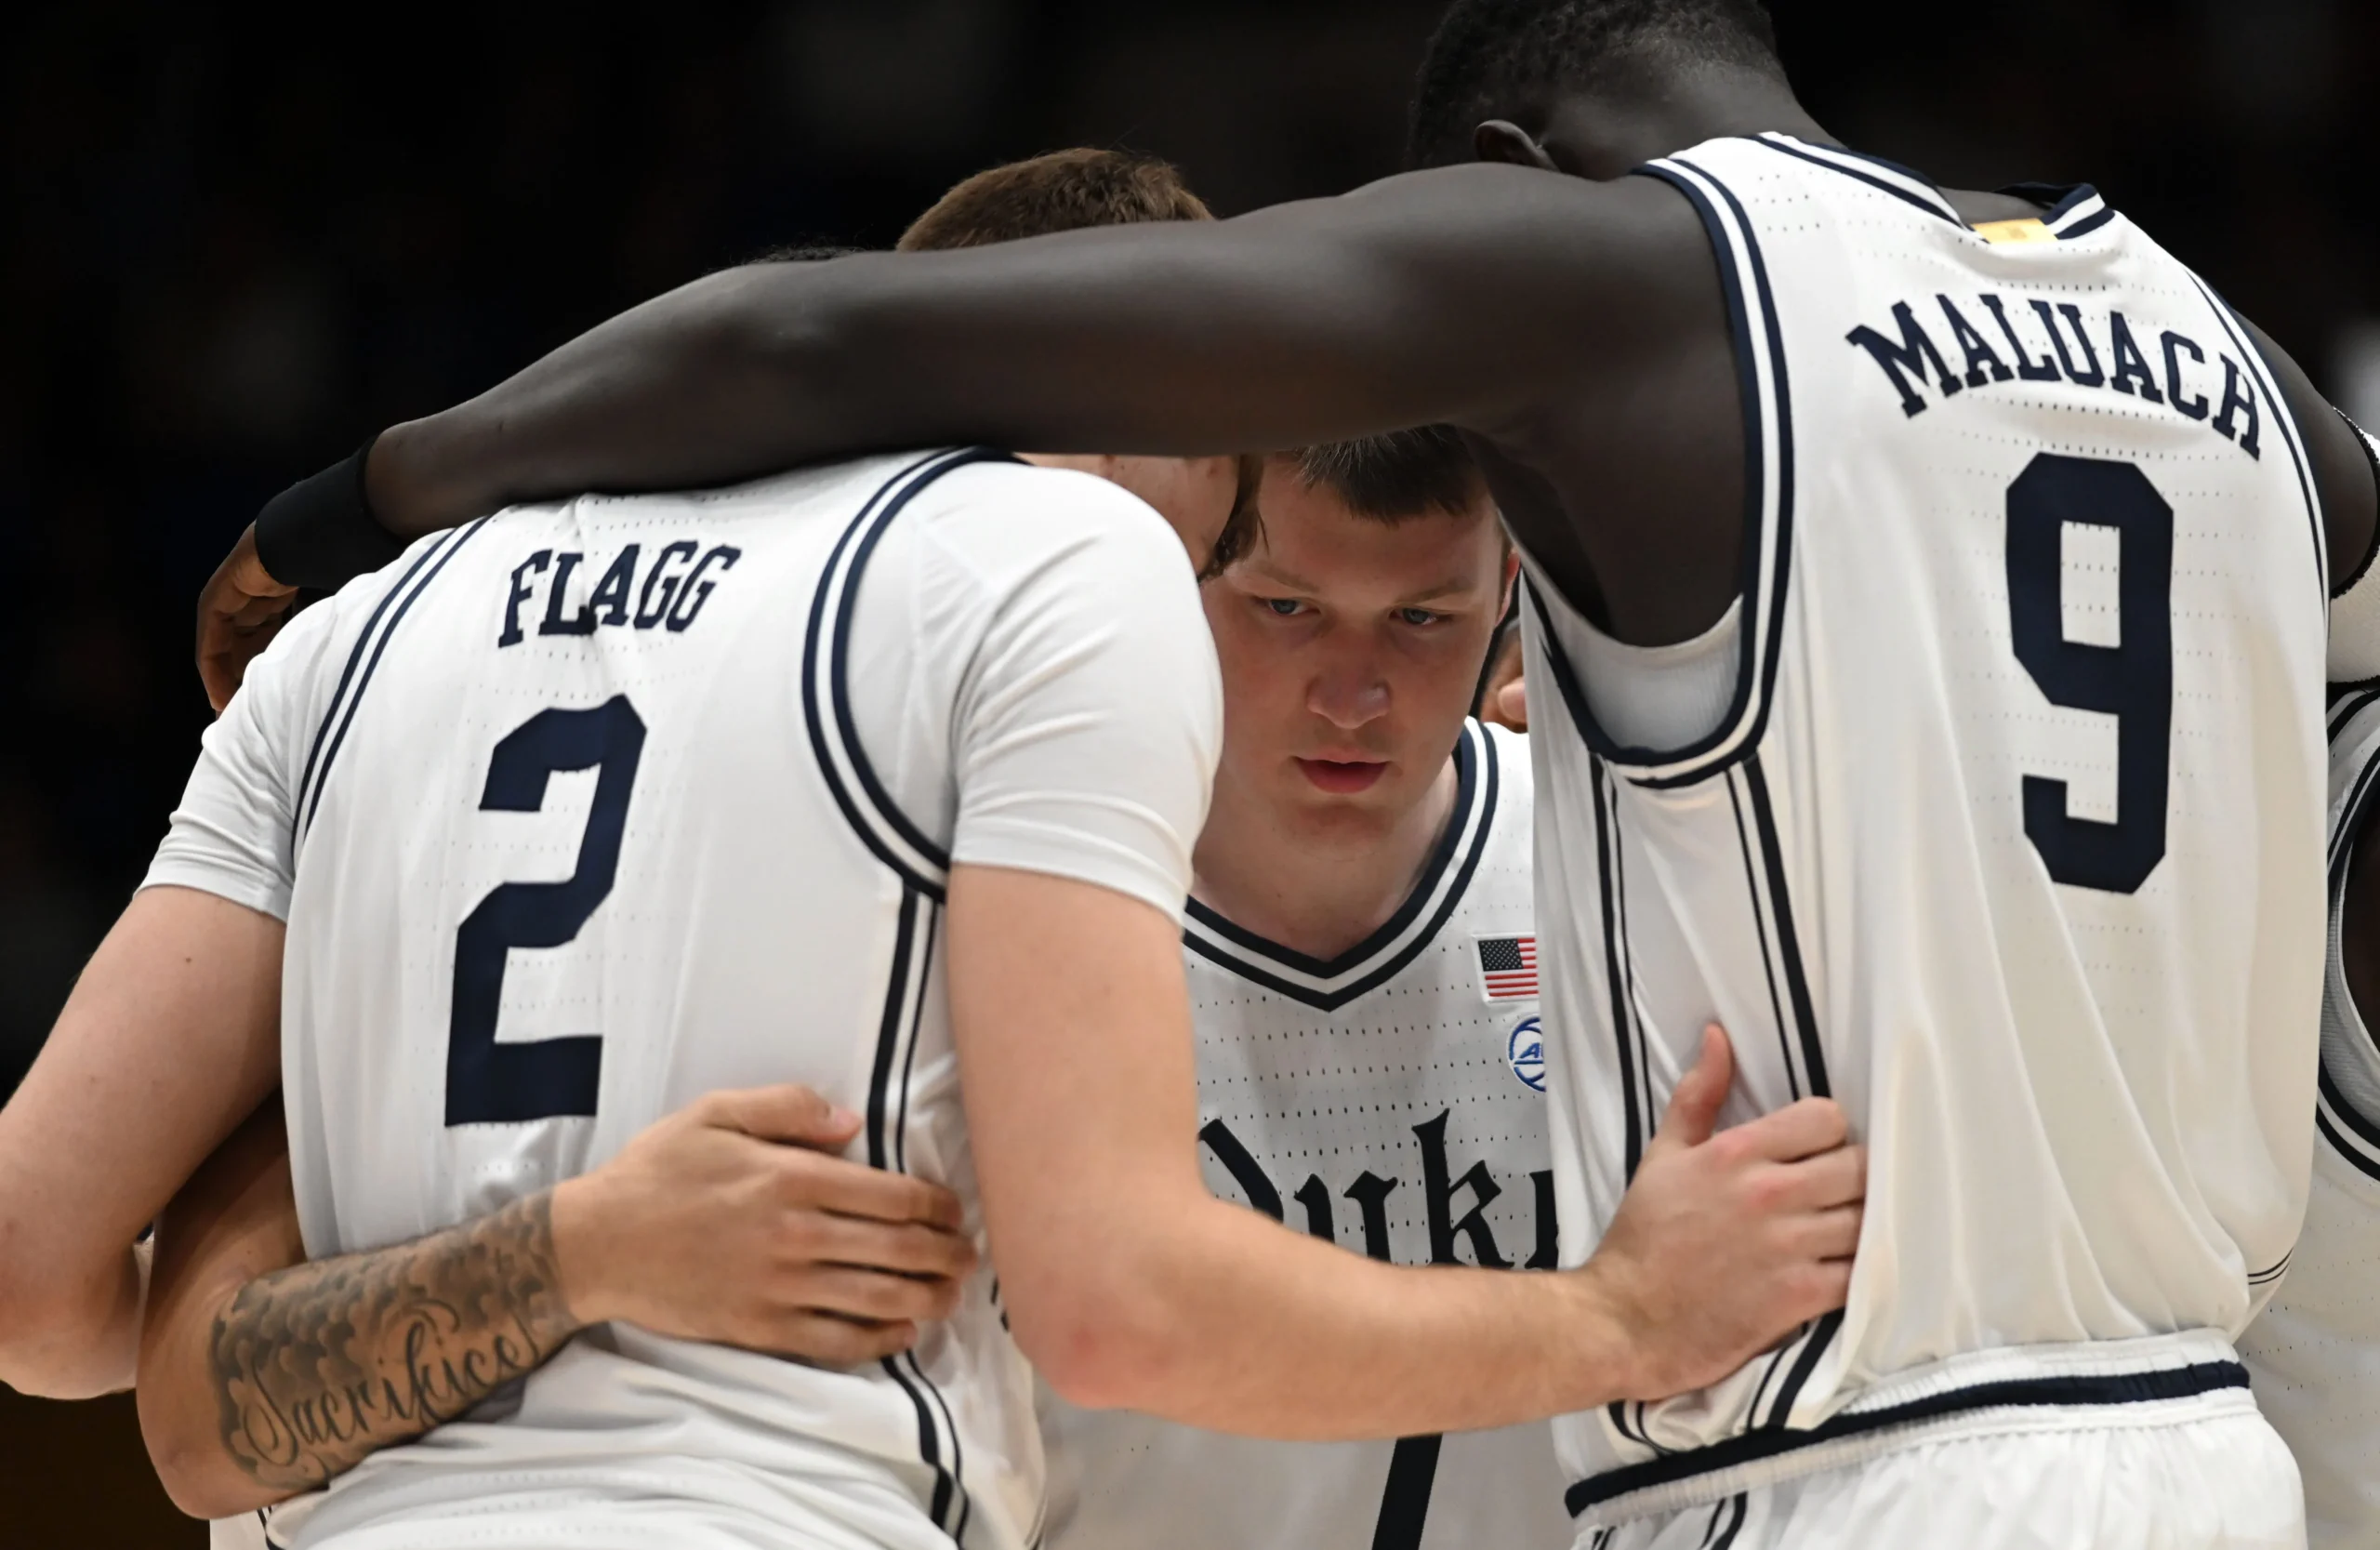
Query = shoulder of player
x=1002 y=523
x=1566 y=245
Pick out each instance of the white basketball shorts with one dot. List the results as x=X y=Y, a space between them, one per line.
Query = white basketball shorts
x=2206 y=1473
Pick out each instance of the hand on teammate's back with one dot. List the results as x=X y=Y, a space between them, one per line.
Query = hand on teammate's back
x=1730 y=1239
x=727 y=1221
x=240 y=611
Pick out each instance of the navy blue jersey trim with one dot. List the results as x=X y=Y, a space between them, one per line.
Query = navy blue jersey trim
x=2089 y=224
x=1814 y=1345
x=1618 y=927
x=1634 y=1123
x=2268 y=387
x=347 y=675
x=2126 y=1389
x=887 y=1126
x=1619 y=961
x=2363 y=1128
x=1727 y=1521
x=1479 y=781
x=1747 y=713
x=2360 y=1160
x=1765 y=612
x=929 y=1445
x=1789 y=946
x=2057 y=200
x=888 y=1033
x=2345 y=702
x=917 y=1022
x=372 y=665
x=1943 y=210
x=2260 y=1277
x=1767 y=959
x=2062 y=203
x=951 y=1490
x=825 y=653
x=839 y=671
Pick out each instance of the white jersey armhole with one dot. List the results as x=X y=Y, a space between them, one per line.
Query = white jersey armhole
x=1659 y=697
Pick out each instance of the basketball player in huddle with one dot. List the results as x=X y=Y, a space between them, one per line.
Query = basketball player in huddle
x=1360 y=961
x=1919 y=586
x=1370 y=1053
x=946 y=840
x=2315 y=1355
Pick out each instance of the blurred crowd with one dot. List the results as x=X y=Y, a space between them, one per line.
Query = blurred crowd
x=235 y=242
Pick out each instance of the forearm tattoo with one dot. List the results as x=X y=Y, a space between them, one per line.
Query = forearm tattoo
x=318 y=1366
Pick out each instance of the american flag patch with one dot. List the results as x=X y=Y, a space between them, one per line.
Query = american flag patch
x=1508 y=967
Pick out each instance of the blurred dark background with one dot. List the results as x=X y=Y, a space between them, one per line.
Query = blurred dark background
x=237 y=241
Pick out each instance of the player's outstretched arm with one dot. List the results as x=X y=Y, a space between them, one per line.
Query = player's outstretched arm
x=1463 y=295
x=1459 y=295
x=1129 y=1285
x=262 y=1376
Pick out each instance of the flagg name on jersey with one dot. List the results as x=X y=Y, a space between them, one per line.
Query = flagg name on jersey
x=669 y=589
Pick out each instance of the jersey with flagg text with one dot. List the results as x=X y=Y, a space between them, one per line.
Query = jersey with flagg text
x=1389 y=1101
x=2010 y=841
x=584 y=828
x=2314 y=1354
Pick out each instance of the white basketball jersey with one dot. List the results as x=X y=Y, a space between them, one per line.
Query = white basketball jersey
x=1389 y=1101
x=2315 y=1353
x=584 y=832
x=2011 y=839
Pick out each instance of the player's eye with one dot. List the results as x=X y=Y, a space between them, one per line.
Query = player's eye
x=1283 y=607
x=1420 y=619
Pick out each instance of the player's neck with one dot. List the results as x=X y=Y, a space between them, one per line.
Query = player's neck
x=1259 y=868
x=1606 y=133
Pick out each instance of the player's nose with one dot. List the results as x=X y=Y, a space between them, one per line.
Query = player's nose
x=1347 y=700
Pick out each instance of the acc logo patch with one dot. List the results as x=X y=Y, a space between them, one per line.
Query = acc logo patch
x=1525 y=1052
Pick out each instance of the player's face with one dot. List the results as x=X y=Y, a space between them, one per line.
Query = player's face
x=1350 y=649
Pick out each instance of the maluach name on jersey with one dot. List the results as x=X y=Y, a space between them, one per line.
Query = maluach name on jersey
x=628 y=590
x=2060 y=342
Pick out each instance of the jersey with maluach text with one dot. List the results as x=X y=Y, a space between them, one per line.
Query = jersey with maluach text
x=2010 y=839
x=2314 y=1354
x=586 y=809
x=1391 y=1101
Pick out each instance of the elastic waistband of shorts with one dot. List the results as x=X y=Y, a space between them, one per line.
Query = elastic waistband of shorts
x=2130 y=1383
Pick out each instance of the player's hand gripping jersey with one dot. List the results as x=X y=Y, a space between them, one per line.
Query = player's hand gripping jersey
x=2010 y=838
x=2315 y=1353
x=586 y=809
x=1389 y=1101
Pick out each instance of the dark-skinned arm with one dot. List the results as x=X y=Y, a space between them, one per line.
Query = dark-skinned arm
x=1462 y=295
x=1468 y=296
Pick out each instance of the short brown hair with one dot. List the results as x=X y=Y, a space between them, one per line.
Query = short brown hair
x=1064 y=191
x=1397 y=474
x=1068 y=190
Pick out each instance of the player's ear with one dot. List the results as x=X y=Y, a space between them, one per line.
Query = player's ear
x=1501 y=140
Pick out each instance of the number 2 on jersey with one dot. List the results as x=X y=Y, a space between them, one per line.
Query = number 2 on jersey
x=2132 y=681
x=488 y=1082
